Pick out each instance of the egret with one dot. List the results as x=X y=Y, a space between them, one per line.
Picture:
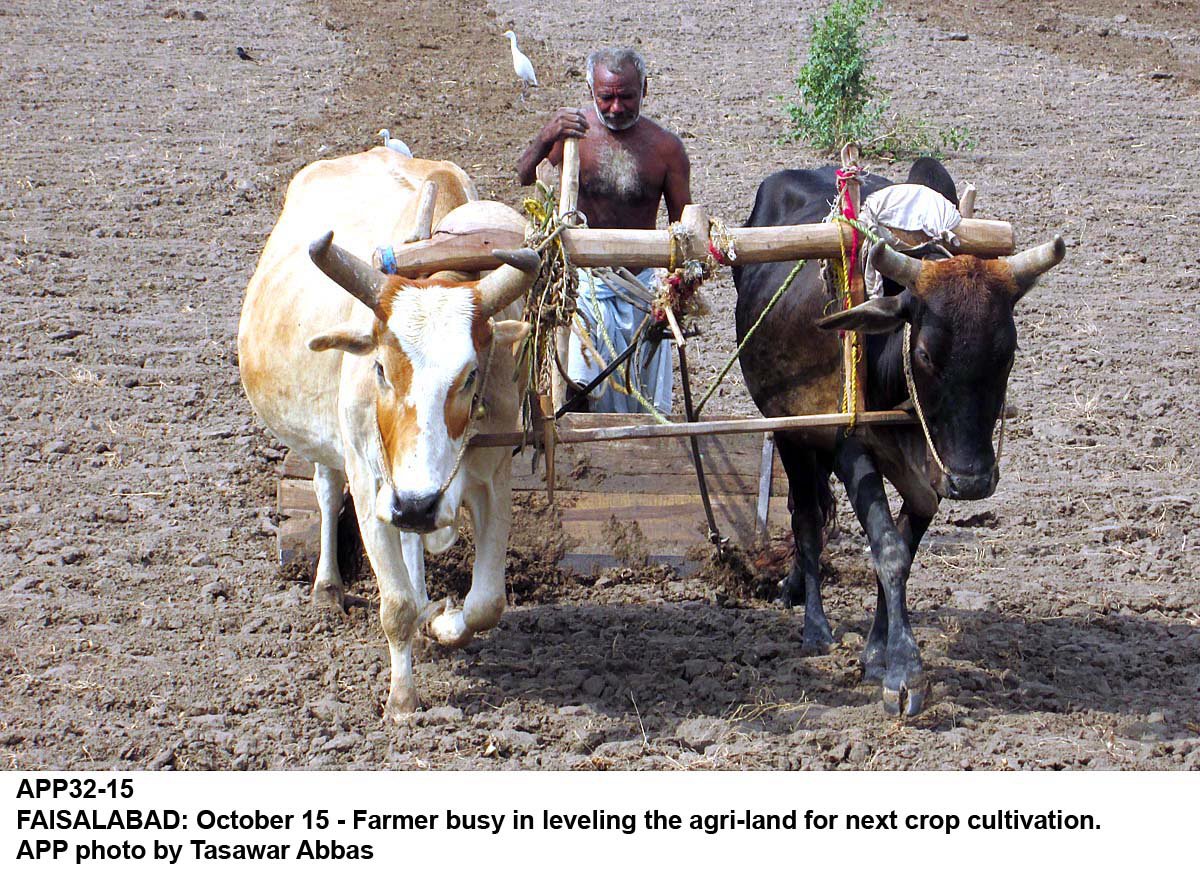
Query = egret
x=392 y=143
x=522 y=65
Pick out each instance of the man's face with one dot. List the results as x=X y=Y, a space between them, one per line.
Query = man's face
x=618 y=97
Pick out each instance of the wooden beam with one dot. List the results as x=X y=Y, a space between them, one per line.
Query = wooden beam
x=636 y=249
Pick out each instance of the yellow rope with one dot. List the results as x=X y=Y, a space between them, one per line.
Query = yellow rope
x=850 y=383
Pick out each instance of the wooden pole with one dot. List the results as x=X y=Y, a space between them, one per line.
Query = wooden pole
x=569 y=434
x=549 y=440
x=568 y=204
x=966 y=204
x=568 y=193
x=423 y=223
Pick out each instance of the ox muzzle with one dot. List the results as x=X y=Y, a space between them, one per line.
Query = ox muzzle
x=966 y=486
x=415 y=512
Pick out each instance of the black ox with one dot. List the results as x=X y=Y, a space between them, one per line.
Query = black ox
x=963 y=340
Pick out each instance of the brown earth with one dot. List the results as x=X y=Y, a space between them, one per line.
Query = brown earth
x=144 y=621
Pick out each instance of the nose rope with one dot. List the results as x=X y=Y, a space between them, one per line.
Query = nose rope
x=912 y=393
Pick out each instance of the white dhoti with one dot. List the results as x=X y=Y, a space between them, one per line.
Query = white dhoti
x=651 y=371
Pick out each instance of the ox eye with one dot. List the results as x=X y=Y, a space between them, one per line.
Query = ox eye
x=922 y=356
x=379 y=375
x=470 y=381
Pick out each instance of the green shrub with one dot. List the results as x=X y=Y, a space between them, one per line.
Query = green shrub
x=840 y=101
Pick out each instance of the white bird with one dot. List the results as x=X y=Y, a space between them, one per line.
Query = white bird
x=392 y=143
x=522 y=65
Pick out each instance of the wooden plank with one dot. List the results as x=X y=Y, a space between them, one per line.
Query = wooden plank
x=672 y=525
x=299 y=545
x=294 y=466
x=731 y=464
x=295 y=497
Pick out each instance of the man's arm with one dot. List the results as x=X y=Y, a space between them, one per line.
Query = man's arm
x=563 y=124
x=677 y=187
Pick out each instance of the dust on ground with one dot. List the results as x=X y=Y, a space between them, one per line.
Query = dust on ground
x=144 y=620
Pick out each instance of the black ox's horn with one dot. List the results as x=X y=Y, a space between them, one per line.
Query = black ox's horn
x=1027 y=266
x=895 y=265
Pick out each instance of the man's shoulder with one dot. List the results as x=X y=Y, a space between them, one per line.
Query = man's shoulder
x=664 y=139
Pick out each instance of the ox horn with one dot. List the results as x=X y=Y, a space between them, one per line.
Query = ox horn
x=1027 y=266
x=508 y=282
x=895 y=265
x=348 y=271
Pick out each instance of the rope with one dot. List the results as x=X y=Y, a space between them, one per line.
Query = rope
x=770 y=304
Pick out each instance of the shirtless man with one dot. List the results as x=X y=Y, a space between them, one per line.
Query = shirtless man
x=628 y=164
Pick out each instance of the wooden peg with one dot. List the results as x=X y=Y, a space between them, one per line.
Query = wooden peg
x=423 y=224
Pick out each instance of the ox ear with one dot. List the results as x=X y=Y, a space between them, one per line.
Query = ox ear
x=510 y=332
x=345 y=337
x=875 y=317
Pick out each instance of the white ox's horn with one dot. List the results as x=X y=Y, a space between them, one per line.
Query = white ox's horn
x=508 y=282
x=348 y=271
x=1027 y=266
x=895 y=265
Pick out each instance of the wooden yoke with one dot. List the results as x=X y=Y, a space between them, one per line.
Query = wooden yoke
x=853 y=361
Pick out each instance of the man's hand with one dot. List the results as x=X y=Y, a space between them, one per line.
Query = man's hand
x=566 y=122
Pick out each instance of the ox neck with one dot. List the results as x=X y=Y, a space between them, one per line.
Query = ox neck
x=886 y=387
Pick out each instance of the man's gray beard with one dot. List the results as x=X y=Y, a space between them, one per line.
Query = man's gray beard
x=609 y=125
x=618 y=170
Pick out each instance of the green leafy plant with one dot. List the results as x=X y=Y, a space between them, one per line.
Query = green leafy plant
x=839 y=98
x=841 y=101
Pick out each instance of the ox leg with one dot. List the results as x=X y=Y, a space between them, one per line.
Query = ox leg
x=903 y=678
x=400 y=601
x=329 y=485
x=912 y=528
x=803 y=583
x=490 y=504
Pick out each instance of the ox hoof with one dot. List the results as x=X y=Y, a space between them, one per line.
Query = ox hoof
x=873 y=672
x=791 y=592
x=904 y=700
x=874 y=664
x=400 y=705
x=818 y=637
x=449 y=629
x=329 y=597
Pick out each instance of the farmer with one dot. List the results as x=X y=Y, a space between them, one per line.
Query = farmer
x=628 y=164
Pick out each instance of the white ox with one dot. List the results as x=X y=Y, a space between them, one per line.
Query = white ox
x=379 y=387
